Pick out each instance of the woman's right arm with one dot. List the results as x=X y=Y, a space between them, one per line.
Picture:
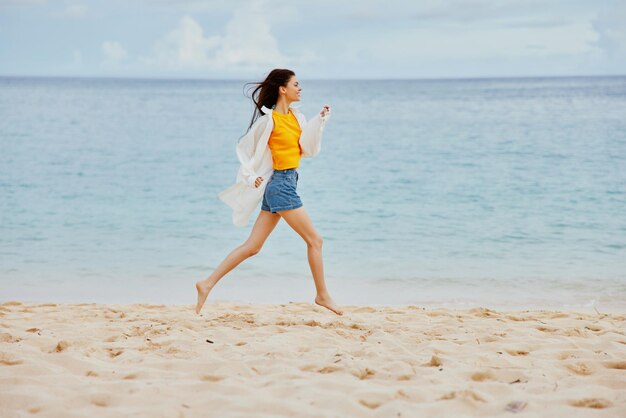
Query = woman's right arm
x=246 y=148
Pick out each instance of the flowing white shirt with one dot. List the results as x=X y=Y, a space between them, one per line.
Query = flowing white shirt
x=255 y=157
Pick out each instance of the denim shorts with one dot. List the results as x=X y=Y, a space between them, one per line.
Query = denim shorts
x=280 y=192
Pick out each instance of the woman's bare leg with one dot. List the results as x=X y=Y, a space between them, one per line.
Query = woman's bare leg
x=264 y=225
x=299 y=220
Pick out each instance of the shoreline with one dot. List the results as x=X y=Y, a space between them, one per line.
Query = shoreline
x=298 y=359
x=227 y=295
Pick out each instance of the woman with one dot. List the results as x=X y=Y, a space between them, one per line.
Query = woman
x=271 y=149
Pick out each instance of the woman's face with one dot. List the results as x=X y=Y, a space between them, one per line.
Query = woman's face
x=292 y=90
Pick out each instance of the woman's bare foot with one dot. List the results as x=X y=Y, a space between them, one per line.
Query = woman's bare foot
x=327 y=302
x=203 y=291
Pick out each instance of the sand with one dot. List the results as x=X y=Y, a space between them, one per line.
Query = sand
x=301 y=360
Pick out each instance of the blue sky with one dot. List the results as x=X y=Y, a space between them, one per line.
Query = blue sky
x=316 y=38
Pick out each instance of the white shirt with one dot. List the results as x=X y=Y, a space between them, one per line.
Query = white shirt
x=255 y=157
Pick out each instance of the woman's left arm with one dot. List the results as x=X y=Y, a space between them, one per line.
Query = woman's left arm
x=311 y=136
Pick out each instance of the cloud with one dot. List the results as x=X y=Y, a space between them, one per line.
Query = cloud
x=185 y=47
x=237 y=39
x=611 y=40
x=247 y=44
x=113 y=52
x=248 y=41
x=611 y=28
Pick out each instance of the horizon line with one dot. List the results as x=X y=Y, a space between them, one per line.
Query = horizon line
x=315 y=79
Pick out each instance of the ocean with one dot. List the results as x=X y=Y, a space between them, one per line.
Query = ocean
x=502 y=193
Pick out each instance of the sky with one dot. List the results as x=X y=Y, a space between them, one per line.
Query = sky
x=318 y=39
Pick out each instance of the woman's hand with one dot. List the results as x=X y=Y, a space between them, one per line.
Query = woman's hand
x=325 y=110
x=258 y=181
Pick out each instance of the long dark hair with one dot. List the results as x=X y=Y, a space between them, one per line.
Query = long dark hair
x=266 y=92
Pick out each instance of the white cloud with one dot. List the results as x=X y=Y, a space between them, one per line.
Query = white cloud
x=113 y=52
x=185 y=47
x=611 y=27
x=247 y=44
x=248 y=41
x=325 y=38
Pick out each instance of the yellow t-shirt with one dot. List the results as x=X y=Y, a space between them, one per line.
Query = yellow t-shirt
x=284 y=141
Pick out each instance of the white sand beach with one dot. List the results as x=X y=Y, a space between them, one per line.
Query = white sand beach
x=300 y=360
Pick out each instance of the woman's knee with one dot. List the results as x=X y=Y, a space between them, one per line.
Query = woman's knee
x=251 y=249
x=315 y=242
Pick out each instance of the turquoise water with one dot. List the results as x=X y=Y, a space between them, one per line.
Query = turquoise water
x=492 y=192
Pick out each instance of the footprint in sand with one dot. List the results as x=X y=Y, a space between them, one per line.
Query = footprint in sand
x=573 y=332
x=619 y=365
x=363 y=374
x=114 y=352
x=318 y=369
x=503 y=376
x=102 y=400
x=518 y=352
x=463 y=394
x=546 y=329
x=490 y=339
x=483 y=313
x=580 y=368
x=8 y=338
x=434 y=362
x=329 y=369
x=594 y=328
x=285 y=323
x=9 y=360
x=370 y=404
x=482 y=376
x=515 y=406
x=595 y=403
x=61 y=346
x=211 y=378
x=565 y=356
